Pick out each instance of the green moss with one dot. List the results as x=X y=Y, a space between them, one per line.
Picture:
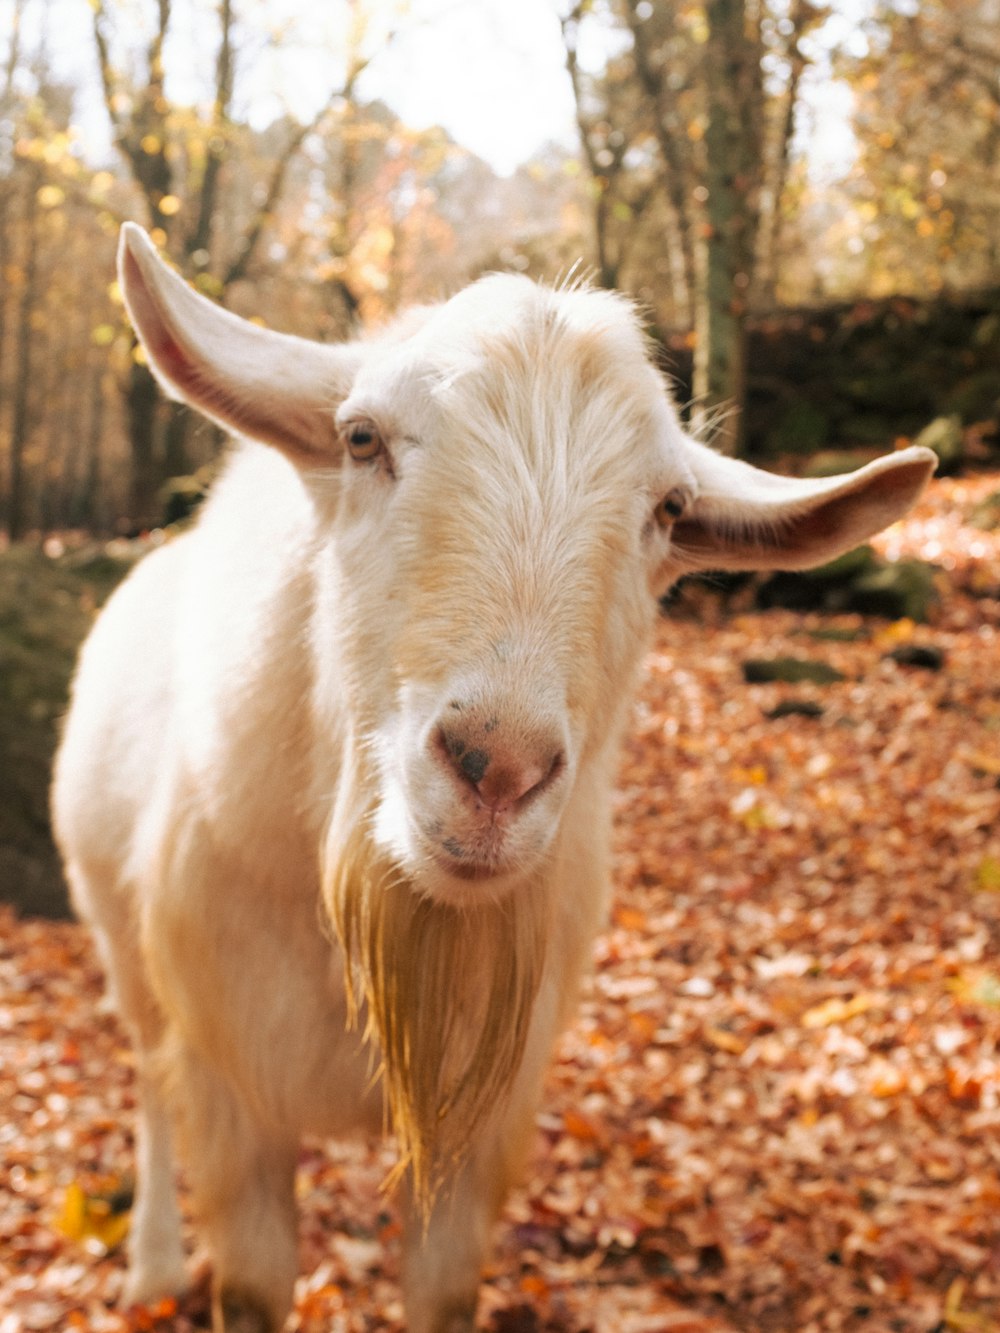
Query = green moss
x=46 y=608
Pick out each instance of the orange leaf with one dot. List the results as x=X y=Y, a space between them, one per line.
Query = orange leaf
x=580 y=1127
x=723 y=1040
x=837 y=1010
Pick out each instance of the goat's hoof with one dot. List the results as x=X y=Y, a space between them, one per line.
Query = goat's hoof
x=145 y=1284
x=457 y=1317
x=238 y=1311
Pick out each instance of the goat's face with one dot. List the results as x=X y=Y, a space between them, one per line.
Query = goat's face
x=511 y=473
x=505 y=487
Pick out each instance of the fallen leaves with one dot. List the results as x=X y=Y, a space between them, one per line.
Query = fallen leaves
x=779 y=1108
x=102 y=1217
x=838 y=1011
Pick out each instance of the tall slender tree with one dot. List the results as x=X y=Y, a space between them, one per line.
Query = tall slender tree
x=693 y=76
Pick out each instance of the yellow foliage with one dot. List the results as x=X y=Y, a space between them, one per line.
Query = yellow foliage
x=55 y=149
x=209 y=284
x=899 y=631
x=976 y=986
x=92 y=1217
x=837 y=1010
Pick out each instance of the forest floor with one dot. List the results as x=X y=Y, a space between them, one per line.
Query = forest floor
x=779 y=1107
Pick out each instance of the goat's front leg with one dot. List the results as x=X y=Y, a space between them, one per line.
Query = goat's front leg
x=243 y=1187
x=444 y=1256
x=156 y=1253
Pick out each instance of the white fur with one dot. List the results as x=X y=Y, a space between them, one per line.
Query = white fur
x=291 y=665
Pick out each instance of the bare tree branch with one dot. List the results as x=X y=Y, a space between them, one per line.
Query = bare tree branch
x=198 y=241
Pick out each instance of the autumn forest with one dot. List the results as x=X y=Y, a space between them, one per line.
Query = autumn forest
x=778 y=1109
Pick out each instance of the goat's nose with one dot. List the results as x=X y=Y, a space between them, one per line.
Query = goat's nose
x=503 y=774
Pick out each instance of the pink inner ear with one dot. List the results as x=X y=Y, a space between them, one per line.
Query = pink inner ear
x=164 y=350
x=173 y=362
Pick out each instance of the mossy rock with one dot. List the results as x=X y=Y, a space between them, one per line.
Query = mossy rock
x=976 y=398
x=868 y=428
x=986 y=514
x=986 y=335
x=46 y=608
x=795 y=708
x=852 y=564
x=856 y=581
x=905 y=589
x=944 y=436
x=803 y=429
x=926 y=656
x=791 y=670
x=826 y=588
x=887 y=392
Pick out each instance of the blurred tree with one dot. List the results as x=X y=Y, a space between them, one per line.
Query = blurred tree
x=711 y=90
x=42 y=182
x=178 y=158
x=927 y=118
x=616 y=144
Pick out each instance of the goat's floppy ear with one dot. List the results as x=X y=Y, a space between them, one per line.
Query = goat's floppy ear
x=744 y=518
x=269 y=386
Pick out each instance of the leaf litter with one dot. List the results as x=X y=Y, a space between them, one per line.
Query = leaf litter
x=779 y=1107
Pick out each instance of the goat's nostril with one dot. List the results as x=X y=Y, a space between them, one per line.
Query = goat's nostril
x=474 y=764
x=470 y=764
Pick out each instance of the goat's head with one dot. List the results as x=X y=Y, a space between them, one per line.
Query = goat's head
x=503 y=490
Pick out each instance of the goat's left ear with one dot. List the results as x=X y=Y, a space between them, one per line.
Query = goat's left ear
x=744 y=518
x=269 y=386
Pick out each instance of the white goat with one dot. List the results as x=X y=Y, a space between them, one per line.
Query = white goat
x=380 y=685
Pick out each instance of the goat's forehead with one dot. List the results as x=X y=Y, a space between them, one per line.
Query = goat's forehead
x=513 y=313
x=508 y=355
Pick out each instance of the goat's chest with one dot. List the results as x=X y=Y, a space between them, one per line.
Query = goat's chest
x=250 y=981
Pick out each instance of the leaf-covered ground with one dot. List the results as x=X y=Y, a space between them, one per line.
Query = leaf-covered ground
x=780 y=1106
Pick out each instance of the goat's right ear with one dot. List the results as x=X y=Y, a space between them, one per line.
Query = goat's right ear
x=266 y=385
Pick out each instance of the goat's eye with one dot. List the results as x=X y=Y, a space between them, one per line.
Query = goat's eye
x=671 y=507
x=364 y=443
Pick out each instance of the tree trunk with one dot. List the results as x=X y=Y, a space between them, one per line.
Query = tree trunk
x=142 y=397
x=719 y=383
x=20 y=425
x=176 y=462
x=770 y=224
x=727 y=243
x=85 y=512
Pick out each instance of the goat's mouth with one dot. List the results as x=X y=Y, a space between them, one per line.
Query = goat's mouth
x=476 y=859
x=467 y=863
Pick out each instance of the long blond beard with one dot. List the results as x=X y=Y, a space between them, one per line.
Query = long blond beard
x=447 y=993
